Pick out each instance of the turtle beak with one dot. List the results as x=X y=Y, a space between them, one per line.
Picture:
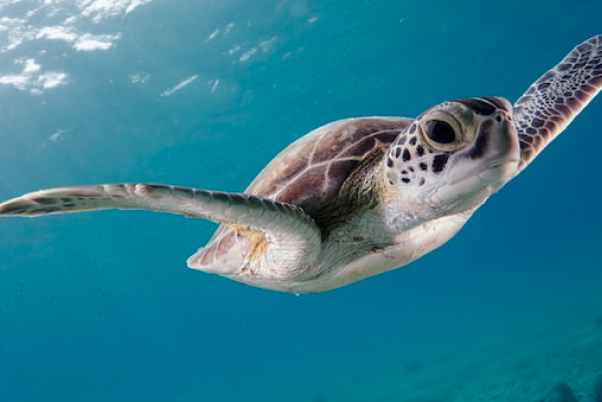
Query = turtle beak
x=495 y=147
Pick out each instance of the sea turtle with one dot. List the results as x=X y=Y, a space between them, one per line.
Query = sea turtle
x=359 y=197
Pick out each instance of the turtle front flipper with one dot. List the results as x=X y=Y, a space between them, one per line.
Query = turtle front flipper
x=554 y=100
x=283 y=233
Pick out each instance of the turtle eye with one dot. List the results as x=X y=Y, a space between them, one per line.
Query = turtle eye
x=439 y=131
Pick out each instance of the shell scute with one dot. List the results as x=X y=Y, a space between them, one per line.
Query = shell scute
x=307 y=164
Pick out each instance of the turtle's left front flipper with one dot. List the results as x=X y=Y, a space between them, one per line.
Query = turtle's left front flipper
x=286 y=226
x=554 y=100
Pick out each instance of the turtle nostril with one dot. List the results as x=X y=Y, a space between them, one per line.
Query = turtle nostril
x=498 y=118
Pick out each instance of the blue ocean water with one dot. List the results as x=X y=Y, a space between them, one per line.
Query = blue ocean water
x=101 y=306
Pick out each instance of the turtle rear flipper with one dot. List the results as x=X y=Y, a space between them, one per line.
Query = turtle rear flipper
x=283 y=234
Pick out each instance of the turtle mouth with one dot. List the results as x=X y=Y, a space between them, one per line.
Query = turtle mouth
x=498 y=172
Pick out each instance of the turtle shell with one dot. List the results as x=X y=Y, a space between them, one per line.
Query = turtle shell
x=311 y=173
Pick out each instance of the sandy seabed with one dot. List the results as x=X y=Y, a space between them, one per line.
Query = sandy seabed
x=523 y=363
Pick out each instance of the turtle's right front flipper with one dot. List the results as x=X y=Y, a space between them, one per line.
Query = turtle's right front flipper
x=288 y=230
x=556 y=98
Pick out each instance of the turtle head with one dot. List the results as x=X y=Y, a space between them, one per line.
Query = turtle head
x=453 y=156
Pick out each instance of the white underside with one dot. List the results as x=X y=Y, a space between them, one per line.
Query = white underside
x=409 y=246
